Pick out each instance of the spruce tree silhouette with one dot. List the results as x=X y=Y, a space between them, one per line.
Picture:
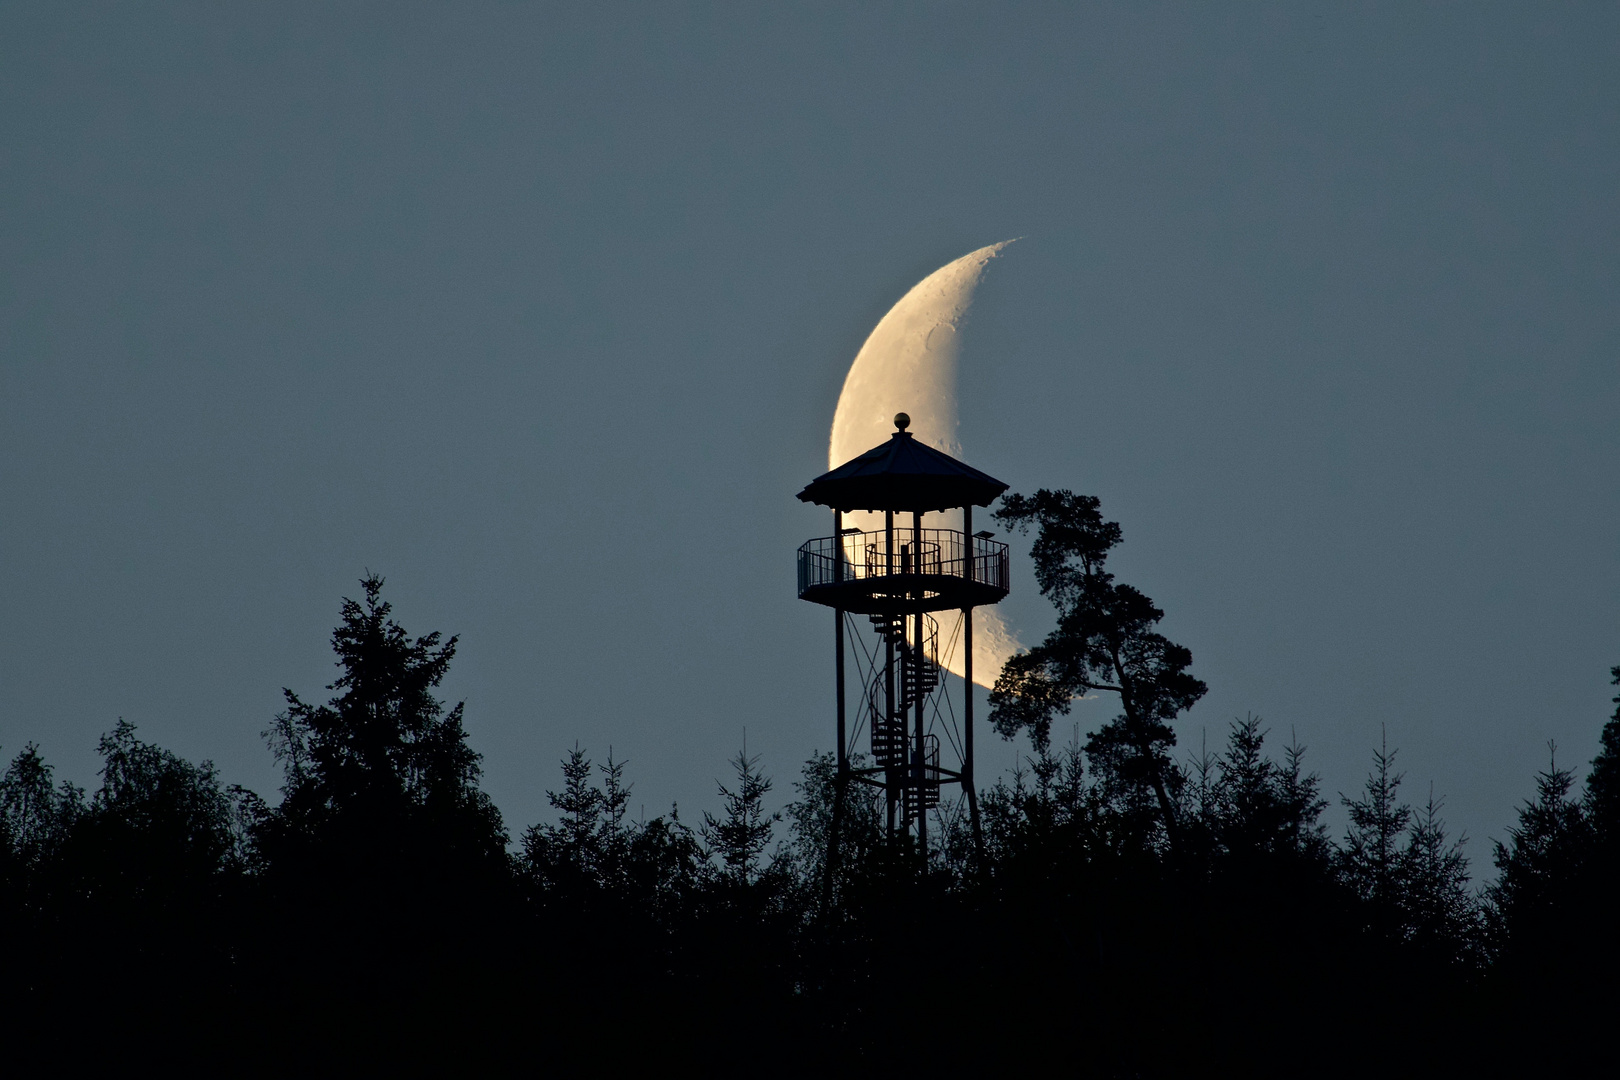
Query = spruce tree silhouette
x=1257 y=819
x=566 y=859
x=1549 y=916
x=1105 y=640
x=613 y=835
x=1251 y=818
x=1551 y=930
x=1370 y=859
x=1603 y=784
x=1543 y=866
x=1601 y=803
x=1300 y=793
x=739 y=837
x=384 y=860
x=382 y=764
x=1441 y=917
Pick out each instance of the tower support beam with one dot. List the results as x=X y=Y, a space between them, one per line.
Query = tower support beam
x=841 y=777
x=967 y=699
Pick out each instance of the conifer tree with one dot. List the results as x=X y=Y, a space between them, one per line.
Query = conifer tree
x=381 y=776
x=1440 y=914
x=1300 y=793
x=581 y=805
x=613 y=837
x=1601 y=805
x=1371 y=856
x=741 y=835
x=1105 y=640
x=1252 y=819
x=1603 y=782
x=567 y=855
x=1542 y=870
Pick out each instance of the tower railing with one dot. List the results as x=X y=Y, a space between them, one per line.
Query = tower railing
x=858 y=556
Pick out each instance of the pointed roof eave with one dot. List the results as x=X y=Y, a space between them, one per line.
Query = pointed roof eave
x=906 y=475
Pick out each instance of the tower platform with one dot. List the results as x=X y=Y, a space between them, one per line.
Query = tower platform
x=927 y=570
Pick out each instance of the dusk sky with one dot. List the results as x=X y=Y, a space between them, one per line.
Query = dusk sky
x=541 y=312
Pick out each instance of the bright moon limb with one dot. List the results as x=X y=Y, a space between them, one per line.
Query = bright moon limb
x=908 y=364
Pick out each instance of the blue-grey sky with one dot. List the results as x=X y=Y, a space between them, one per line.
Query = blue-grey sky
x=542 y=312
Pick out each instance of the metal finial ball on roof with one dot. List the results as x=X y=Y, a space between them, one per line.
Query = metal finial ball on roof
x=902 y=421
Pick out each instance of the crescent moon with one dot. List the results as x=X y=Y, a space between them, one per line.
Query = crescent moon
x=908 y=364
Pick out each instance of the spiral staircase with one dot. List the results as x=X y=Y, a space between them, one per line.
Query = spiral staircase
x=915 y=767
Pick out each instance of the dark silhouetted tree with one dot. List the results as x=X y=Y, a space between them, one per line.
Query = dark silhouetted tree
x=740 y=835
x=1440 y=915
x=382 y=768
x=1247 y=810
x=1300 y=793
x=1603 y=782
x=35 y=816
x=1252 y=817
x=1601 y=804
x=860 y=834
x=129 y=905
x=591 y=846
x=568 y=854
x=651 y=869
x=385 y=869
x=1550 y=923
x=613 y=835
x=1371 y=855
x=666 y=867
x=1106 y=640
x=158 y=809
x=1541 y=868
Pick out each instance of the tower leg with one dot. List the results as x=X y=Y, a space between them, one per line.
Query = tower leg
x=967 y=698
x=838 y=640
x=967 y=735
x=841 y=776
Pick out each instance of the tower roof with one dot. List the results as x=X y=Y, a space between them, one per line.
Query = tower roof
x=902 y=474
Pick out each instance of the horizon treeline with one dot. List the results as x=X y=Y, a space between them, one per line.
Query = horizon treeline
x=381 y=911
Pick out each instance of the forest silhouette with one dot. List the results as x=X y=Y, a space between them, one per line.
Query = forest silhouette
x=1125 y=912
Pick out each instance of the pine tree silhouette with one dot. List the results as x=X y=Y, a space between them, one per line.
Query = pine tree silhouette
x=1105 y=641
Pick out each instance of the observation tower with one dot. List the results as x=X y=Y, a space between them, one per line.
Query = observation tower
x=898 y=578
